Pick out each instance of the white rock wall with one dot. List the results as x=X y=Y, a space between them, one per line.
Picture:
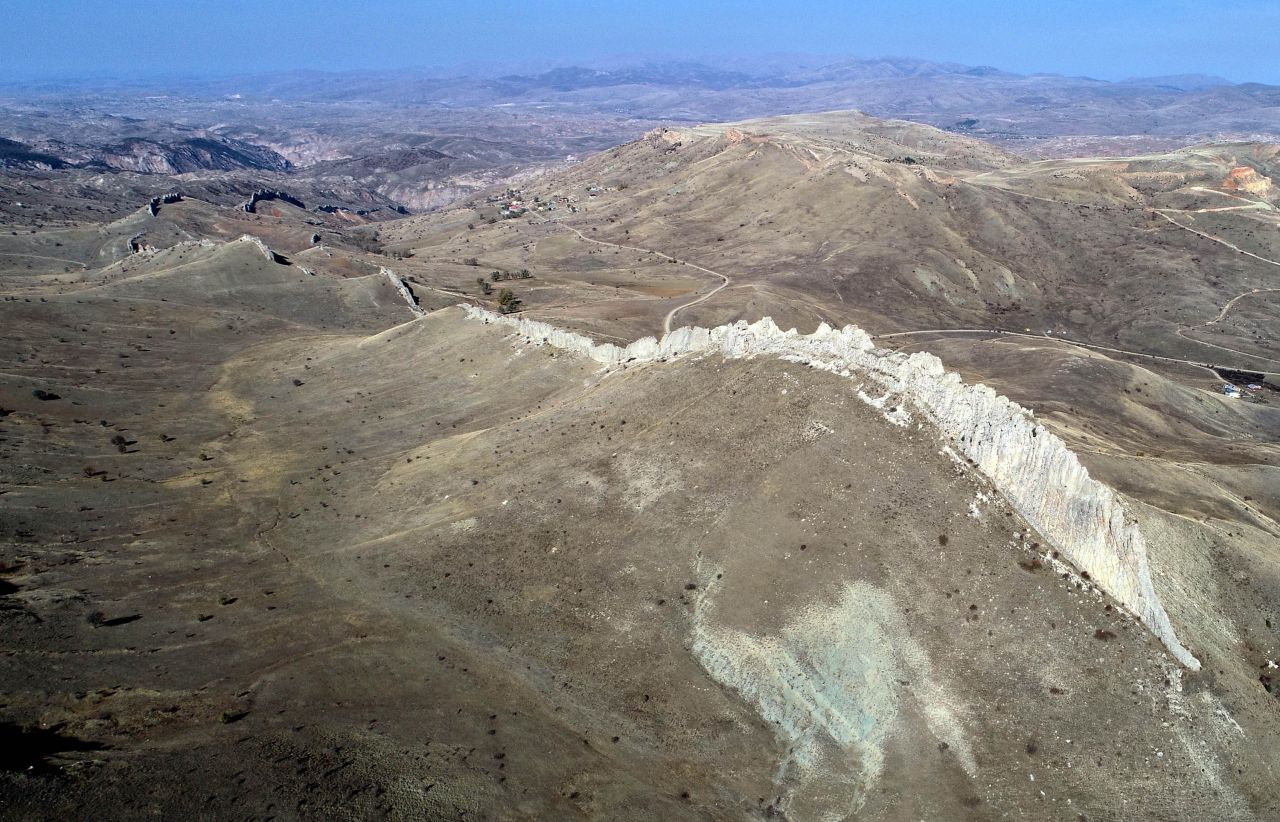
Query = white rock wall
x=261 y=246
x=1030 y=466
x=405 y=293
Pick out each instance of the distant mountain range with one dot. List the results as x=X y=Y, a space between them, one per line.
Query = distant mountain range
x=178 y=155
x=979 y=100
x=425 y=137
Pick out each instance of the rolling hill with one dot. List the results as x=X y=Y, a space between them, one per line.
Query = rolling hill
x=288 y=532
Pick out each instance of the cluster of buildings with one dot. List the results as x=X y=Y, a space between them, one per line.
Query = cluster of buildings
x=511 y=203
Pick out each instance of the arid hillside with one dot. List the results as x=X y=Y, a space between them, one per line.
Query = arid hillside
x=902 y=227
x=286 y=532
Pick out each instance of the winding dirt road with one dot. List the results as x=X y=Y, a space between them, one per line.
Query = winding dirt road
x=666 y=322
x=1181 y=332
x=43 y=257
x=1218 y=240
x=1222 y=313
x=725 y=281
x=1094 y=346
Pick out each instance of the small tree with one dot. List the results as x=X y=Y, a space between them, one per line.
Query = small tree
x=485 y=288
x=508 y=302
x=495 y=276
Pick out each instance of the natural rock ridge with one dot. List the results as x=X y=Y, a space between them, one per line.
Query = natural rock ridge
x=405 y=291
x=138 y=245
x=251 y=205
x=1029 y=465
x=153 y=207
x=264 y=248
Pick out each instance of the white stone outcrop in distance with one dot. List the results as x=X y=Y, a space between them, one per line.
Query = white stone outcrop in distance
x=263 y=247
x=1034 y=470
x=405 y=292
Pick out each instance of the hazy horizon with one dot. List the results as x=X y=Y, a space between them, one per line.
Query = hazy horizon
x=746 y=63
x=146 y=40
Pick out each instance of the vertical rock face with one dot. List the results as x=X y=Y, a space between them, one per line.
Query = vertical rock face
x=153 y=207
x=137 y=244
x=1029 y=465
x=405 y=291
x=251 y=205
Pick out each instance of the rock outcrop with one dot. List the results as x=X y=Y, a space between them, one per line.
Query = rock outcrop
x=360 y=212
x=138 y=245
x=405 y=291
x=1244 y=178
x=265 y=249
x=251 y=205
x=1030 y=466
x=153 y=207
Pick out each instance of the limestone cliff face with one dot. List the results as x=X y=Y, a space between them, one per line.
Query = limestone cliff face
x=1030 y=466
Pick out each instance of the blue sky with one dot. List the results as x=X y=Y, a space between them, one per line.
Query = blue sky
x=1110 y=39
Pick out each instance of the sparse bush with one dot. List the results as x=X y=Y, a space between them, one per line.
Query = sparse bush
x=368 y=242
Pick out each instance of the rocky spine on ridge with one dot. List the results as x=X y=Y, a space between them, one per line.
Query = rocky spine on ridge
x=405 y=291
x=264 y=248
x=250 y=206
x=153 y=207
x=1030 y=466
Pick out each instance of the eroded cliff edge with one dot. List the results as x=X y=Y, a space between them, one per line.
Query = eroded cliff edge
x=1029 y=465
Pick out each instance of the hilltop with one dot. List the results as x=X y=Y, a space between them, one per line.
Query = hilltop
x=898 y=226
